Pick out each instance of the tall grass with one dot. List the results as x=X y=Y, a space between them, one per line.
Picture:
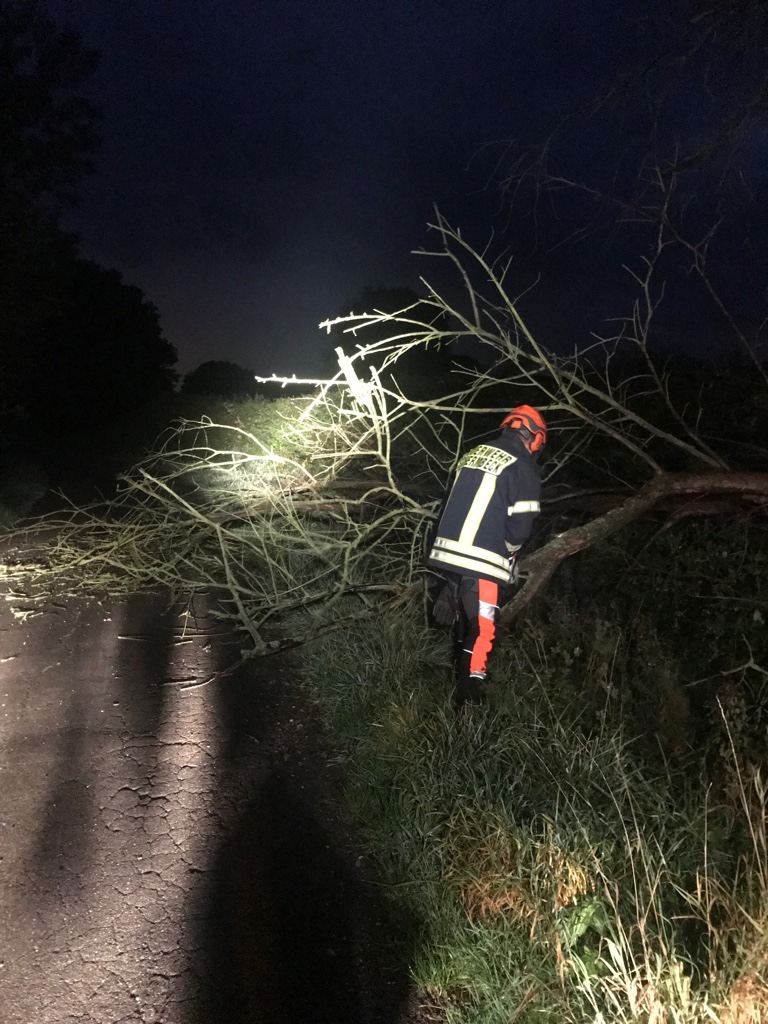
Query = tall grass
x=556 y=872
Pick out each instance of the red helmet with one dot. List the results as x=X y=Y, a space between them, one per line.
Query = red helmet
x=531 y=425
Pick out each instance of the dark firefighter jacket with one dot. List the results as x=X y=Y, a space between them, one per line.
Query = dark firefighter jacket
x=490 y=510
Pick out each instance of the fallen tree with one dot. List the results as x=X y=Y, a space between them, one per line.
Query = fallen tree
x=340 y=503
x=582 y=398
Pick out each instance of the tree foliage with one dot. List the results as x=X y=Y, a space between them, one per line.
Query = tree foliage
x=219 y=377
x=101 y=355
x=48 y=139
x=48 y=134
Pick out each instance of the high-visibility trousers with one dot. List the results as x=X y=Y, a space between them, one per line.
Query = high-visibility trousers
x=478 y=614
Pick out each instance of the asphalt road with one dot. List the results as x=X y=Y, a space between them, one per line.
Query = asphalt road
x=171 y=851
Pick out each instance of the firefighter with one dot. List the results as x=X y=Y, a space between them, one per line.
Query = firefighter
x=487 y=518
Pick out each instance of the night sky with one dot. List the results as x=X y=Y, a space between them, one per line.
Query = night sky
x=263 y=162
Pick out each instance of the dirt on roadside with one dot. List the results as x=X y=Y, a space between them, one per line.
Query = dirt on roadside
x=171 y=845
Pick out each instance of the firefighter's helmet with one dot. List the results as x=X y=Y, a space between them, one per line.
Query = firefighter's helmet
x=529 y=423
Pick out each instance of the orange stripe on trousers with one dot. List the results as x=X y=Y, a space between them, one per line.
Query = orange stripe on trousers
x=488 y=592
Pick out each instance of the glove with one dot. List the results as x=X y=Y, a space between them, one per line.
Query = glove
x=445 y=610
x=514 y=571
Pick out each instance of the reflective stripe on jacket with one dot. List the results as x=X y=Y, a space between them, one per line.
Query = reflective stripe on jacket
x=490 y=510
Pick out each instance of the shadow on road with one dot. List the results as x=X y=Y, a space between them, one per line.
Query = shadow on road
x=149 y=625
x=294 y=930
x=61 y=849
x=296 y=935
x=119 y=687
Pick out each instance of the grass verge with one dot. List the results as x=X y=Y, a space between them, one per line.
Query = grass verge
x=557 y=874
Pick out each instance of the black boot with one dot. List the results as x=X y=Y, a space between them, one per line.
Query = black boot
x=470 y=690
